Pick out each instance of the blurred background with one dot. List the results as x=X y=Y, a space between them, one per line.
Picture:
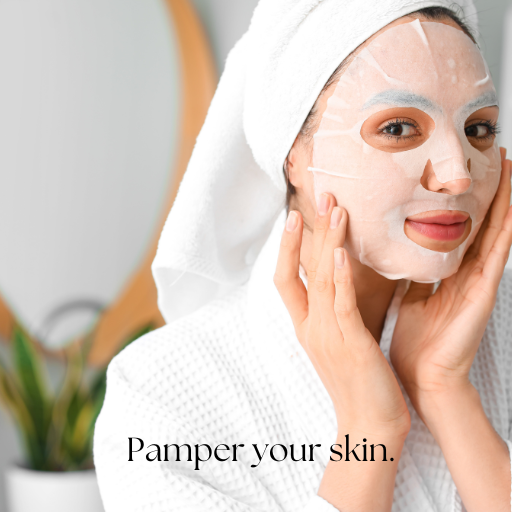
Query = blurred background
x=100 y=104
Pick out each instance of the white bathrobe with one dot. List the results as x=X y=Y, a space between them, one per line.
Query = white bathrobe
x=233 y=372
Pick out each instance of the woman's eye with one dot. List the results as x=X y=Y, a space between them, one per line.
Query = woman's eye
x=400 y=130
x=477 y=130
x=397 y=129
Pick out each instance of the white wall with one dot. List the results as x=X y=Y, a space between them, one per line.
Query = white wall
x=491 y=15
x=9 y=450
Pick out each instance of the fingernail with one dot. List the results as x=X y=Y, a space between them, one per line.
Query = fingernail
x=335 y=217
x=323 y=204
x=339 y=258
x=291 y=221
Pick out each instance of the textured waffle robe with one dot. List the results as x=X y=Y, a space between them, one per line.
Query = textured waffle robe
x=233 y=372
x=228 y=368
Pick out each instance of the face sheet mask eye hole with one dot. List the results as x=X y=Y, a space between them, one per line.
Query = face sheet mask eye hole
x=397 y=129
x=481 y=128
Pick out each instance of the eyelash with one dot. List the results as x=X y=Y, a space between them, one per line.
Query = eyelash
x=492 y=128
x=398 y=122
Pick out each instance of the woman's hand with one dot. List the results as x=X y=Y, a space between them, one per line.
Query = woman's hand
x=437 y=335
x=365 y=393
x=367 y=399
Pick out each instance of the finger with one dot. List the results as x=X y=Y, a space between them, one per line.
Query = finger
x=324 y=279
x=493 y=221
x=345 y=304
x=326 y=203
x=418 y=292
x=498 y=256
x=498 y=212
x=287 y=278
x=474 y=248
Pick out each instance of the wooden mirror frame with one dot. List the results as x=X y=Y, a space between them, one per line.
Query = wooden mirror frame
x=136 y=306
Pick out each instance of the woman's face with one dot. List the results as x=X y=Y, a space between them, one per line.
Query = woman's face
x=406 y=144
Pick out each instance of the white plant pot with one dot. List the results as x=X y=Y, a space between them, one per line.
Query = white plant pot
x=45 y=491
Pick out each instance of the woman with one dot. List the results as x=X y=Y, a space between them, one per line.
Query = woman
x=363 y=391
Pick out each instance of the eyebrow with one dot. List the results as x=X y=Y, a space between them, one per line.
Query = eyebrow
x=400 y=98
x=489 y=99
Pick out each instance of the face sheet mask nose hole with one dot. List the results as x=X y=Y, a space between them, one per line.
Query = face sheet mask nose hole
x=430 y=182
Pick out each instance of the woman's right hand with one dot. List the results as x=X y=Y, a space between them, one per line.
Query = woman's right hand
x=366 y=396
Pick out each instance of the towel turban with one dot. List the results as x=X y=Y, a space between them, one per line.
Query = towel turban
x=234 y=187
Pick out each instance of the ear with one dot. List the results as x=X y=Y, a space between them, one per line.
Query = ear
x=296 y=164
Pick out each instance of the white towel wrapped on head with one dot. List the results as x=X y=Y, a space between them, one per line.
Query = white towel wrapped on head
x=234 y=186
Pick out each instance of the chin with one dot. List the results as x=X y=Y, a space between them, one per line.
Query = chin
x=422 y=265
x=427 y=275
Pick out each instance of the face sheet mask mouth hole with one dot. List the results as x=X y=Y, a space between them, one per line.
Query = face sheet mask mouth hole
x=397 y=129
x=438 y=237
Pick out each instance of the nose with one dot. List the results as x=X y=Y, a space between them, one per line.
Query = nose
x=448 y=172
x=453 y=187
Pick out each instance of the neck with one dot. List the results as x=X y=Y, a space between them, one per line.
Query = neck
x=373 y=291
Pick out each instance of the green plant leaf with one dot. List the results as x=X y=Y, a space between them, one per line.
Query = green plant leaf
x=77 y=438
x=99 y=384
x=62 y=403
x=14 y=402
x=57 y=429
x=33 y=389
x=7 y=393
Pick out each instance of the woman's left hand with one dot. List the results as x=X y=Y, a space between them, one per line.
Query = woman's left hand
x=437 y=334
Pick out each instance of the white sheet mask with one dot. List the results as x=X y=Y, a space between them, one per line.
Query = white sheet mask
x=434 y=68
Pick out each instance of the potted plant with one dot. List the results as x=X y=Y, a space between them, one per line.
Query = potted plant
x=56 y=426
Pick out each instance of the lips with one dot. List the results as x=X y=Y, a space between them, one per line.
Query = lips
x=440 y=225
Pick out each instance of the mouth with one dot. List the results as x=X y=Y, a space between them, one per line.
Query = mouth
x=440 y=225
